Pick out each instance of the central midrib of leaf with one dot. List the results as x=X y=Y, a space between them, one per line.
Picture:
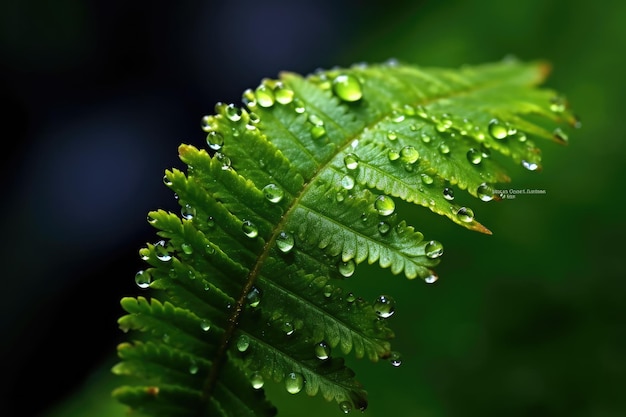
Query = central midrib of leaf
x=233 y=320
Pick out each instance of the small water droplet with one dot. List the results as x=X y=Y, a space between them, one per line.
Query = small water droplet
x=243 y=343
x=384 y=205
x=233 y=113
x=427 y=179
x=186 y=248
x=328 y=290
x=409 y=155
x=444 y=149
x=249 y=229
x=322 y=351
x=224 y=160
x=395 y=359
x=215 y=140
x=161 y=251
x=384 y=306
x=392 y=135
x=253 y=297
x=205 y=325
x=188 y=212
x=432 y=278
x=347 y=87
x=351 y=161
x=345 y=406
x=531 y=166
x=298 y=106
x=294 y=382
x=347 y=182
x=283 y=94
x=285 y=241
x=474 y=156
x=393 y=155
x=448 y=194
x=560 y=134
x=384 y=228
x=558 y=104
x=465 y=214
x=484 y=192
x=425 y=138
x=421 y=112
x=497 y=130
x=264 y=96
x=257 y=381
x=143 y=279
x=193 y=367
x=273 y=193
x=346 y=268
x=433 y=249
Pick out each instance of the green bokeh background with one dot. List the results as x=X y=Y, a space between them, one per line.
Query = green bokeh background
x=530 y=321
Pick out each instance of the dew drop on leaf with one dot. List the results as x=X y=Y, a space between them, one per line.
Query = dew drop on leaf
x=264 y=96
x=465 y=214
x=384 y=306
x=161 y=251
x=448 y=194
x=432 y=278
x=346 y=268
x=143 y=279
x=205 y=325
x=347 y=182
x=243 y=343
x=249 y=229
x=409 y=155
x=193 y=368
x=186 y=248
x=485 y=192
x=294 y=382
x=233 y=113
x=215 y=140
x=433 y=249
x=393 y=155
x=283 y=94
x=322 y=351
x=444 y=149
x=188 y=212
x=474 y=156
x=285 y=241
x=347 y=87
x=254 y=297
x=257 y=381
x=497 y=130
x=273 y=193
x=345 y=406
x=531 y=166
x=351 y=161
x=383 y=228
x=395 y=359
x=384 y=205
x=427 y=179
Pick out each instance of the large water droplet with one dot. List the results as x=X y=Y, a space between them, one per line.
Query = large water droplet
x=433 y=249
x=444 y=149
x=347 y=182
x=497 y=130
x=432 y=278
x=395 y=359
x=351 y=161
x=205 y=325
x=243 y=343
x=409 y=155
x=187 y=248
x=384 y=205
x=273 y=193
x=264 y=96
x=257 y=381
x=484 y=192
x=322 y=351
x=393 y=155
x=294 y=382
x=346 y=268
x=249 y=229
x=285 y=241
x=161 y=251
x=448 y=194
x=283 y=94
x=215 y=140
x=143 y=279
x=474 y=156
x=384 y=306
x=347 y=87
x=233 y=113
x=465 y=214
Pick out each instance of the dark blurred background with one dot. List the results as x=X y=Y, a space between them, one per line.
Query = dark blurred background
x=97 y=95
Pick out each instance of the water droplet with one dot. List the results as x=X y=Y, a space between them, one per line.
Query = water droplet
x=397 y=116
x=432 y=278
x=254 y=118
x=210 y=222
x=249 y=229
x=288 y=327
x=444 y=149
x=224 y=160
x=465 y=214
x=264 y=96
x=425 y=138
x=161 y=251
x=298 y=106
x=188 y=212
x=557 y=104
x=474 y=156
x=444 y=123
x=283 y=94
x=207 y=123
x=215 y=140
x=347 y=182
x=421 y=112
x=351 y=161
x=485 y=192
x=243 y=343
x=350 y=298
x=347 y=87
x=497 y=130
x=448 y=194
x=143 y=279
x=253 y=297
x=317 y=132
x=384 y=306
x=285 y=241
x=167 y=181
x=560 y=134
x=531 y=166
x=256 y=380
x=395 y=359
x=409 y=155
x=328 y=290
x=322 y=351
x=294 y=382
x=186 y=248
x=233 y=113
x=345 y=406
x=384 y=228
x=427 y=179
x=384 y=205
x=433 y=249
x=393 y=155
x=193 y=367
x=341 y=195
x=392 y=135
x=346 y=268
x=205 y=325
x=273 y=193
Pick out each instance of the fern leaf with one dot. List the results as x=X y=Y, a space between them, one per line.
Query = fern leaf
x=296 y=188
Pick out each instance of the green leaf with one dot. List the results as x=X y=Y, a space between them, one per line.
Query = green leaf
x=295 y=189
